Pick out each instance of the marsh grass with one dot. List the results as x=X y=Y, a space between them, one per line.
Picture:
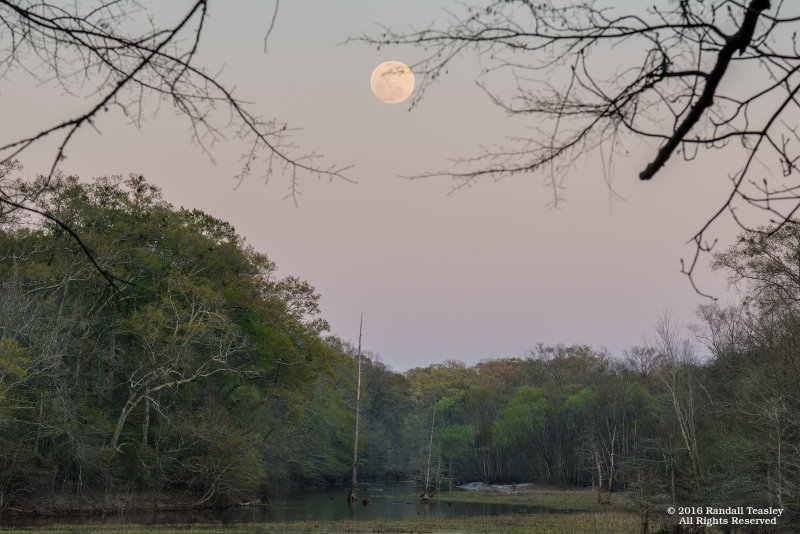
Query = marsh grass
x=539 y=498
x=577 y=523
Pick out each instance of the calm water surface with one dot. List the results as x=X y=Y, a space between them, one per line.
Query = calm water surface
x=391 y=500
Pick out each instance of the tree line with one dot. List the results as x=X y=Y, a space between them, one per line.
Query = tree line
x=205 y=375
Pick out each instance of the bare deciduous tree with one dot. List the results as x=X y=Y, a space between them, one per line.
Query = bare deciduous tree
x=689 y=76
x=171 y=337
x=679 y=377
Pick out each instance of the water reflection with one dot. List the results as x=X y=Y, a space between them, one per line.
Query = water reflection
x=390 y=500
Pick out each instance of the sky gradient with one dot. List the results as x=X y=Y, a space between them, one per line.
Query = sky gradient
x=488 y=271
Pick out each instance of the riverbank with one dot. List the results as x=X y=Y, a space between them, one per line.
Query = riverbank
x=61 y=505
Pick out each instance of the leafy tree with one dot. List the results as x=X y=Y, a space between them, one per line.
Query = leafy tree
x=481 y=404
x=523 y=425
x=194 y=374
x=456 y=442
x=754 y=344
x=208 y=376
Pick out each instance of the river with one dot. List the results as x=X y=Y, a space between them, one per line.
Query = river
x=389 y=500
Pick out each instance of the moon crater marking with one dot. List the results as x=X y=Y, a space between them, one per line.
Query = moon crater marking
x=392 y=82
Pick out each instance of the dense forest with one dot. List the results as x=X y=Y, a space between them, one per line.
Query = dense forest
x=173 y=360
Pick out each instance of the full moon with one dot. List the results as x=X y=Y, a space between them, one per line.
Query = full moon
x=392 y=82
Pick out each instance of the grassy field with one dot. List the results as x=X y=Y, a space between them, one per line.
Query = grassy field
x=579 y=523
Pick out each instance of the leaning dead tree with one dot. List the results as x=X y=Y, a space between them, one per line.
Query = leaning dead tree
x=352 y=496
x=685 y=76
x=430 y=487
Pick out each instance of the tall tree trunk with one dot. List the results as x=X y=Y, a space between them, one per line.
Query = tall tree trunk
x=130 y=404
x=146 y=422
x=439 y=474
x=112 y=351
x=611 y=466
x=672 y=482
x=39 y=426
x=353 y=495
x=426 y=497
x=599 y=475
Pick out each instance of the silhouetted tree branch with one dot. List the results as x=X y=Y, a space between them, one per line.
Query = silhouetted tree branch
x=112 y=54
x=690 y=75
x=87 y=46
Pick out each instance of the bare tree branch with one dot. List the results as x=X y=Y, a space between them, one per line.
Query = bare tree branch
x=692 y=75
x=737 y=42
x=85 y=50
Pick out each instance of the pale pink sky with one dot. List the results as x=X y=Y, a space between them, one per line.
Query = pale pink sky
x=486 y=272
